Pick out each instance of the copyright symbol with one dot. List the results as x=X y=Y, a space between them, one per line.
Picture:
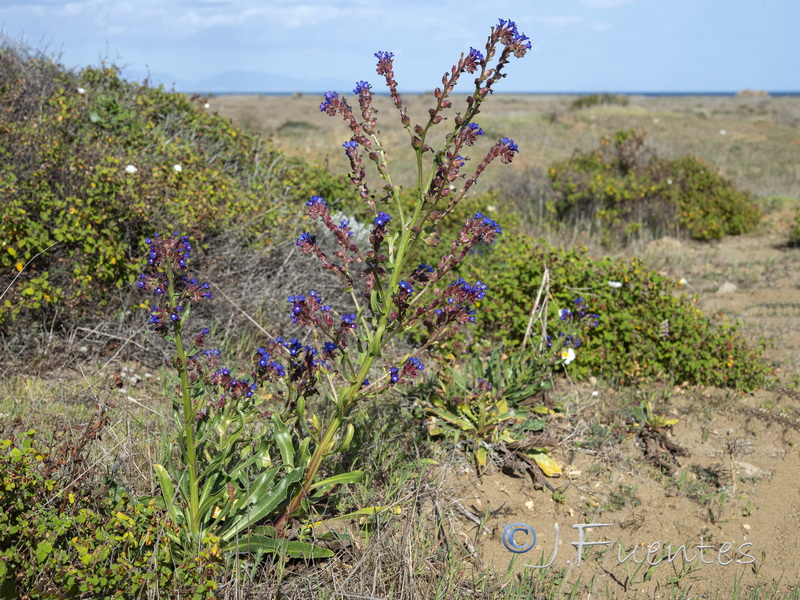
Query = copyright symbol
x=508 y=538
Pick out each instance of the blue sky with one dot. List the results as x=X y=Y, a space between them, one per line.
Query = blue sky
x=314 y=45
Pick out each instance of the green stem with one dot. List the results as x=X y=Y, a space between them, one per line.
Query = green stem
x=376 y=342
x=188 y=418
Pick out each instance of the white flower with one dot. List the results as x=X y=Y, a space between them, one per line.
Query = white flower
x=722 y=132
x=206 y=106
x=177 y=168
x=614 y=284
x=567 y=355
x=669 y=181
x=81 y=91
x=682 y=281
x=131 y=169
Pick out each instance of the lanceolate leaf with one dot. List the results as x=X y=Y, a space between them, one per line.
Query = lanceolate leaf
x=264 y=506
x=262 y=543
x=351 y=477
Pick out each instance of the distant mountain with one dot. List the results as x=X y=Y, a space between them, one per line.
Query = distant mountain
x=246 y=82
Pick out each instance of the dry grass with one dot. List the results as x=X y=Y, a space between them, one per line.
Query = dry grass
x=757 y=151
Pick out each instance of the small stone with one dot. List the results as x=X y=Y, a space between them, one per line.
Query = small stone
x=750 y=471
x=727 y=288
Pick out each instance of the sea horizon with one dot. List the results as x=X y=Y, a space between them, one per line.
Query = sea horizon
x=744 y=92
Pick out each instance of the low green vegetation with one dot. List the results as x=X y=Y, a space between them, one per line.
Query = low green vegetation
x=794 y=234
x=623 y=191
x=63 y=538
x=590 y=100
x=648 y=328
x=90 y=164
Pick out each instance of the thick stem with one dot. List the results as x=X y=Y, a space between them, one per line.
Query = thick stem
x=188 y=417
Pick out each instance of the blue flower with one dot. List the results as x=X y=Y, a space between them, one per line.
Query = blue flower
x=294 y=346
x=405 y=287
x=306 y=238
x=416 y=363
x=315 y=200
x=382 y=219
x=509 y=144
x=384 y=56
x=362 y=86
x=326 y=104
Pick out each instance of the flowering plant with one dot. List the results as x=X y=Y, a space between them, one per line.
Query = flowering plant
x=344 y=359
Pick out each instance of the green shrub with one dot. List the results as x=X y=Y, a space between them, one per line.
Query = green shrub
x=623 y=189
x=598 y=100
x=68 y=543
x=647 y=329
x=90 y=164
x=794 y=234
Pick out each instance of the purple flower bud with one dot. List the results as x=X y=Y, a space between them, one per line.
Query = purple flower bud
x=329 y=98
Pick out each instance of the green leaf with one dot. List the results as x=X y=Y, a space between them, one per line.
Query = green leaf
x=451 y=418
x=262 y=543
x=168 y=493
x=351 y=477
x=252 y=514
x=43 y=550
x=369 y=511
x=284 y=441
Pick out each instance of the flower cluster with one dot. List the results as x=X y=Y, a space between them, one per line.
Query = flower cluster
x=176 y=250
x=473 y=60
x=580 y=313
x=510 y=36
x=167 y=256
x=163 y=317
x=410 y=369
x=456 y=304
